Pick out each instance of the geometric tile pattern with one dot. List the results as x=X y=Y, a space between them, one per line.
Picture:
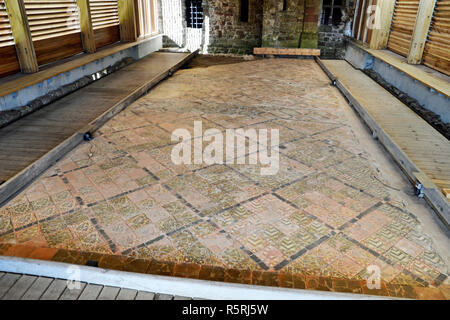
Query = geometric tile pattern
x=327 y=212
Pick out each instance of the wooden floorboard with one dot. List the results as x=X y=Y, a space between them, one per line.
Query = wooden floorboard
x=37 y=289
x=425 y=146
x=27 y=287
x=54 y=290
x=126 y=294
x=19 y=288
x=109 y=293
x=43 y=130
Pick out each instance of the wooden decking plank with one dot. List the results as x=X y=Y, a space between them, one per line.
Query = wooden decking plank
x=7 y=281
x=54 y=290
x=74 y=293
x=161 y=296
x=37 y=289
x=426 y=147
x=108 y=293
x=19 y=288
x=90 y=292
x=126 y=294
x=142 y=295
x=181 y=298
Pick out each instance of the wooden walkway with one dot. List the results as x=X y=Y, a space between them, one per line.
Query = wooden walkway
x=27 y=140
x=15 y=286
x=417 y=142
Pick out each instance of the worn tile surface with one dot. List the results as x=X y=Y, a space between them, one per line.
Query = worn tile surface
x=327 y=212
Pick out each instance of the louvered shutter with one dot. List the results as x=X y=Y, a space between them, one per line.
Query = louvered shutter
x=9 y=63
x=403 y=26
x=105 y=21
x=6 y=37
x=146 y=23
x=54 y=28
x=437 y=49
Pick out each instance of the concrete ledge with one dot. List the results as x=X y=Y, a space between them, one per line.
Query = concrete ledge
x=432 y=193
x=14 y=185
x=169 y=285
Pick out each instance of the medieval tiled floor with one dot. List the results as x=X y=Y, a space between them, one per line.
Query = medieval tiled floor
x=330 y=210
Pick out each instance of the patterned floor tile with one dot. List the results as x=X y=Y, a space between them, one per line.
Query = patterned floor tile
x=326 y=212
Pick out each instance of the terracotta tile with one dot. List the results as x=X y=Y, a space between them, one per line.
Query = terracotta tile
x=376 y=292
x=20 y=251
x=238 y=276
x=186 y=270
x=264 y=278
x=318 y=283
x=161 y=268
x=43 y=253
x=285 y=280
x=69 y=256
x=4 y=247
x=136 y=265
x=299 y=281
x=212 y=273
x=429 y=294
x=113 y=262
x=400 y=291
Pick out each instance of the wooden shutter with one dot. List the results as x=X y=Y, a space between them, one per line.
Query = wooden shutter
x=437 y=49
x=146 y=23
x=362 y=33
x=8 y=57
x=54 y=28
x=403 y=26
x=105 y=21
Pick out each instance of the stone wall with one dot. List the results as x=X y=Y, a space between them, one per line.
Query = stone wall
x=290 y=27
x=222 y=32
x=227 y=33
x=331 y=42
x=269 y=24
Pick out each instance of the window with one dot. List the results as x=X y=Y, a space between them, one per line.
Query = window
x=194 y=14
x=284 y=5
x=244 y=10
x=331 y=12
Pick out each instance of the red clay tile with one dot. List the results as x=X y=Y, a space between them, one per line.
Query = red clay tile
x=4 y=247
x=112 y=262
x=264 y=278
x=20 y=251
x=318 y=283
x=429 y=294
x=238 y=276
x=137 y=265
x=376 y=292
x=212 y=273
x=186 y=270
x=161 y=268
x=69 y=256
x=285 y=280
x=43 y=253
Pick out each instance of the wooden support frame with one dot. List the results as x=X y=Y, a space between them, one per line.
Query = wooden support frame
x=421 y=28
x=380 y=35
x=87 y=31
x=22 y=36
x=127 y=21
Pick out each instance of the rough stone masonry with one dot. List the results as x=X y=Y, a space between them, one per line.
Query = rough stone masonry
x=269 y=23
